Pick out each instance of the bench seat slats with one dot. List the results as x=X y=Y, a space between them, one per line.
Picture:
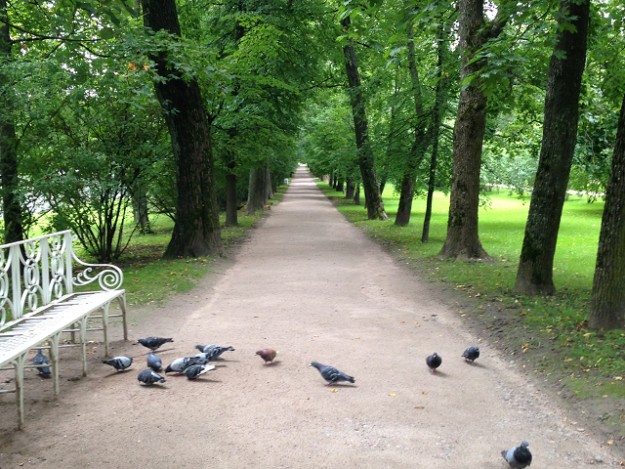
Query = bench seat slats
x=38 y=304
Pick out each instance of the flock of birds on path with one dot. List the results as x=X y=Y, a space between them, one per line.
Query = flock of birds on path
x=518 y=457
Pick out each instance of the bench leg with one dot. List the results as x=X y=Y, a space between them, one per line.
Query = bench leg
x=54 y=358
x=122 y=307
x=105 y=328
x=19 y=389
x=83 y=344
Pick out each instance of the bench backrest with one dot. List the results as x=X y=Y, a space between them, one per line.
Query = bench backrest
x=37 y=271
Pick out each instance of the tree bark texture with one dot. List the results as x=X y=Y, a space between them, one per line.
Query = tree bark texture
x=257 y=190
x=349 y=188
x=196 y=231
x=535 y=272
x=373 y=200
x=12 y=212
x=441 y=95
x=607 y=304
x=417 y=149
x=462 y=239
x=232 y=217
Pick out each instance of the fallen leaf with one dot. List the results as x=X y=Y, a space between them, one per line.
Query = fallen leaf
x=610 y=442
x=392 y=394
x=419 y=407
x=335 y=390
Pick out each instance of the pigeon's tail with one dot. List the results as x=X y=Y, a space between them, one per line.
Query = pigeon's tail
x=351 y=379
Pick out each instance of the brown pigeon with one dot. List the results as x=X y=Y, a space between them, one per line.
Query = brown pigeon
x=267 y=354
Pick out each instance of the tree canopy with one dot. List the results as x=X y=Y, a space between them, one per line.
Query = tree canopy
x=373 y=93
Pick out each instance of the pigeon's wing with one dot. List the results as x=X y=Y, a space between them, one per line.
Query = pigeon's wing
x=332 y=375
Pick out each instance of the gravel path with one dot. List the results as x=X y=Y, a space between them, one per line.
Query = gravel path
x=313 y=287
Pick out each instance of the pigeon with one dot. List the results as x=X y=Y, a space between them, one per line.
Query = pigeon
x=212 y=351
x=519 y=456
x=153 y=343
x=434 y=361
x=42 y=361
x=267 y=354
x=148 y=376
x=155 y=362
x=471 y=354
x=120 y=363
x=331 y=374
x=193 y=371
x=178 y=365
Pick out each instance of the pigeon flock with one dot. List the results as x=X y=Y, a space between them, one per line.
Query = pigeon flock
x=193 y=366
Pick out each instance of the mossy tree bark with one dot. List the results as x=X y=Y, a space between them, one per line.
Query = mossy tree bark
x=535 y=272
x=607 y=305
x=462 y=239
x=196 y=231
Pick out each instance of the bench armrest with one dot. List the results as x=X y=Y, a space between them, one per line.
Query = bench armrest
x=108 y=276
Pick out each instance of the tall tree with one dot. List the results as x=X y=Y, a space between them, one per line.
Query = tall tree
x=9 y=182
x=438 y=111
x=196 y=230
x=607 y=304
x=475 y=30
x=373 y=199
x=419 y=144
x=535 y=272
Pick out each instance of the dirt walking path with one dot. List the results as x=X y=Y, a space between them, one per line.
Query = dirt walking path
x=313 y=287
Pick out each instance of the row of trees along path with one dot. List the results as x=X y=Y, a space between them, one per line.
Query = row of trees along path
x=315 y=288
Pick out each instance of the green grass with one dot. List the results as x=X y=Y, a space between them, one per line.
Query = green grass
x=550 y=333
x=148 y=279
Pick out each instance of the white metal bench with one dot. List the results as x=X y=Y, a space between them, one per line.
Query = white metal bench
x=42 y=296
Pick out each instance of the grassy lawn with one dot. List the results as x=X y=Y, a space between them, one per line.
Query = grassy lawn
x=549 y=333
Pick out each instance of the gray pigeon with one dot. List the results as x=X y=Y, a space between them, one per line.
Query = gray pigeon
x=193 y=371
x=178 y=365
x=433 y=361
x=471 y=354
x=212 y=351
x=519 y=456
x=331 y=374
x=155 y=362
x=120 y=363
x=42 y=363
x=150 y=377
x=153 y=343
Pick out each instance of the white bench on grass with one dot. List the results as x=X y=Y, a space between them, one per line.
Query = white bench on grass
x=43 y=295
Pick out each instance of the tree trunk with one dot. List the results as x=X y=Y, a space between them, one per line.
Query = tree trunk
x=269 y=188
x=340 y=185
x=12 y=213
x=441 y=94
x=349 y=188
x=140 y=207
x=196 y=230
x=357 y=195
x=462 y=239
x=535 y=272
x=232 y=214
x=607 y=303
x=373 y=200
x=257 y=190
x=416 y=153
